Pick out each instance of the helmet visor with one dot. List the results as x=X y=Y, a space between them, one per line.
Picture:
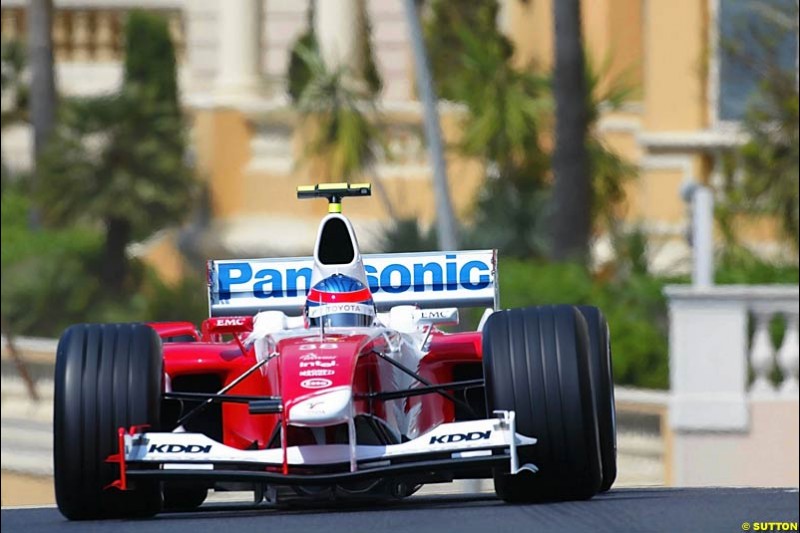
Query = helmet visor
x=342 y=320
x=341 y=315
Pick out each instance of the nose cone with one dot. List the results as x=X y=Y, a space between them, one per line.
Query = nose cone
x=326 y=408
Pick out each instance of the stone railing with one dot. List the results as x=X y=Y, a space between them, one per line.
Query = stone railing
x=90 y=34
x=713 y=354
x=733 y=412
x=764 y=356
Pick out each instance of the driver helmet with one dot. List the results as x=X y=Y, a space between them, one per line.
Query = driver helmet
x=339 y=301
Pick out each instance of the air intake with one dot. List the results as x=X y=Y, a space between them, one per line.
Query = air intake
x=335 y=246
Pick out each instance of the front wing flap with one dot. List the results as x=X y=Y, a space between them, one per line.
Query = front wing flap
x=471 y=444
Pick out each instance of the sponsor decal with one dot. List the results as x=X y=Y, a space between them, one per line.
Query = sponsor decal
x=460 y=437
x=317 y=372
x=334 y=309
x=316 y=383
x=317 y=406
x=317 y=364
x=179 y=448
x=221 y=322
x=323 y=346
x=313 y=356
x=447 y=274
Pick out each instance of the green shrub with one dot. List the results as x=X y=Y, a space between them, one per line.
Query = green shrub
x=738 y=265
x=186 y=300
x=636 y=312
x=45 y=283
x=150 y=56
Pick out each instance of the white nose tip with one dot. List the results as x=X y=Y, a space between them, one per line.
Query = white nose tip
x=329 y=407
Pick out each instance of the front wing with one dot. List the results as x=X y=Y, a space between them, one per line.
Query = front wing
x=448 y=447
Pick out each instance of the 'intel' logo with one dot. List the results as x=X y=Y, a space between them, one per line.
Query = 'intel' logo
x=393 y=278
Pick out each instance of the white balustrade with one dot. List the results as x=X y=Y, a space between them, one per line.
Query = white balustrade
x=61 y=42
x=762 y=355
x=712 y=354
x=765 y=357
x=104 y=35
x=81 y=36
x=788 y=356
x=11 y=23
x=92 y=34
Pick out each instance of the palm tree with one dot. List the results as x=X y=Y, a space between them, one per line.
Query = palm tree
x=337 y=111
x=506 y=108
x=609 y=171
x=571 y=219
x=14 y=88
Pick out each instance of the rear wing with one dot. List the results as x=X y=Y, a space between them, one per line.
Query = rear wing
x=426 y=279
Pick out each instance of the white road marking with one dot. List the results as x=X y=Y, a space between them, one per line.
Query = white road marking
x=21 y=507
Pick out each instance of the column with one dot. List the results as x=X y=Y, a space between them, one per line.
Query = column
x=708 y=358
x=238 y=74
x=339 y=27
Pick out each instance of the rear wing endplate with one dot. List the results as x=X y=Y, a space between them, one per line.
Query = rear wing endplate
x=426 y=279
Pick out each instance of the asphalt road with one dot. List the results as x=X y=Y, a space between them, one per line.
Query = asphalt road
x=647 y=509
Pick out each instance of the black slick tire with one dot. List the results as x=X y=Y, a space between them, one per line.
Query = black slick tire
x=603 y=384
x=536 y=363
x=107 y=376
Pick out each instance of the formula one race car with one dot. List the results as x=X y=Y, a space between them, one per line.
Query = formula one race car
x=329 y=378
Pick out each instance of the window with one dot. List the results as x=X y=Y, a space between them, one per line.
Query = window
x=754 y=36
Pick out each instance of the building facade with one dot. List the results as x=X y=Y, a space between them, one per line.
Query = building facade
x=233 y=59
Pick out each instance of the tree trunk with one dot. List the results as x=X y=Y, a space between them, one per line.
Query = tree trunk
x=40 y=57
x=572 y=193
x=115 y=260
x=19 y=361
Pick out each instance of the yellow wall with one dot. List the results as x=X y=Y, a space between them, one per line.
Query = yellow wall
x=626 y=46
x=675 y=67
x=222 y=138
x=530 y=28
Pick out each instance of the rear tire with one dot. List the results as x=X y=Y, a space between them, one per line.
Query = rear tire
x=603 y=383
x=107 y=376
x=536 y=363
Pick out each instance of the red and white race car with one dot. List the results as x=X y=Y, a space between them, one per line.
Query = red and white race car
x=329 y=377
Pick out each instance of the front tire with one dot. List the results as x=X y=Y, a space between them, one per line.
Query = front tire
x=603 y=384
x=536 y=363
x=107 y=376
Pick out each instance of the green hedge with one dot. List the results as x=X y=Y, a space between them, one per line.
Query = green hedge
x=636 y=311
